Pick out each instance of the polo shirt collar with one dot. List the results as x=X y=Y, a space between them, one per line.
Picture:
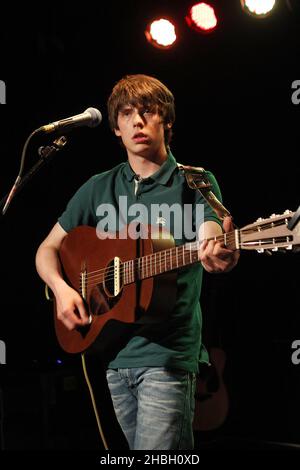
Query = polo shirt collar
x=161 y=176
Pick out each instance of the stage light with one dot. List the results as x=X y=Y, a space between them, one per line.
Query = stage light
x=258 y=8
x=202 y=17
x=161 y=33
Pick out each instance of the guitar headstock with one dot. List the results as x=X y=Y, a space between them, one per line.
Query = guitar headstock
x=270 y=234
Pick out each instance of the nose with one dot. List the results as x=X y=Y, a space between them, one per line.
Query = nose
x=138 y=119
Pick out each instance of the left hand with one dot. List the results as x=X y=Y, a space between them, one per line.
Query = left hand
x=213 y=255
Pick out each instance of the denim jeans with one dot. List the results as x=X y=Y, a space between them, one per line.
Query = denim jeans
x=154 y=406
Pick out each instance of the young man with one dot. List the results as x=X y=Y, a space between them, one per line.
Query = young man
x=152 y=377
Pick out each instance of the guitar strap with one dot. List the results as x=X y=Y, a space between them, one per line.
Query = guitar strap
x=197 y=178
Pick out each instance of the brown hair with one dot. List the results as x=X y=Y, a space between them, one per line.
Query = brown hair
x=141 y=89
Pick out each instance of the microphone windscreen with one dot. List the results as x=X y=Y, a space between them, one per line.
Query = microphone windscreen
x=95 y=115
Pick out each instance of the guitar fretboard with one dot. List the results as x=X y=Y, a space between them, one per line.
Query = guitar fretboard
x=167 y=260
x=159 y=262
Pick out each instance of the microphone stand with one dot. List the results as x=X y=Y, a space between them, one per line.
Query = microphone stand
x=46 y=153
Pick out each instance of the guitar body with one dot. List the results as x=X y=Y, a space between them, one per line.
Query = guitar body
x=133 y=280
x=211 y=398
x=88 y=264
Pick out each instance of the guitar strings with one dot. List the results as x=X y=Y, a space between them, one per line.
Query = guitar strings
x=148 y=266
x=195 y=247
x=151 y=258
x=152 y=263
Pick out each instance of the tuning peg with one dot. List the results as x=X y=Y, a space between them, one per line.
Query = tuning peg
x=263 y=250
x=260 y=219
x=274 y=215
x=287 y=211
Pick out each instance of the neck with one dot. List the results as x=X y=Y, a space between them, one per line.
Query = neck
x=146 y=166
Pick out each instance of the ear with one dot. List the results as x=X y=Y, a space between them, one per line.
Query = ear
x=117 y=132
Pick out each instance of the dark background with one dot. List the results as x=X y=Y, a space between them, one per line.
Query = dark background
x=235 y=117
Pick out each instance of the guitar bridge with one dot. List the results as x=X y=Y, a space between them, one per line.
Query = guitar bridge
x=83 y=284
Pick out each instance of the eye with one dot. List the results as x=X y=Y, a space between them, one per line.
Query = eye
x=126 y=112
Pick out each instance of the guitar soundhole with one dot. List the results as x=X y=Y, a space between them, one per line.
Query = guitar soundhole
x=102 y=298
x=100 y=302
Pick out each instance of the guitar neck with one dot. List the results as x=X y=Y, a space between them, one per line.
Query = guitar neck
x=171 y=259
x=264 y=234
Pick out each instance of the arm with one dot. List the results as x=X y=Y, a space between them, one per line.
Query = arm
x=213 y=255
x=69 y=304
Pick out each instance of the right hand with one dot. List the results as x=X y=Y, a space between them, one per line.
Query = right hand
x=70 y=307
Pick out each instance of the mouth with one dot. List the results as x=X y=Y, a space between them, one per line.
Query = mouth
x=139 y=137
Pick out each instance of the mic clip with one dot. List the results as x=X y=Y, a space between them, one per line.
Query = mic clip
x=58 y=144
x=45 y=153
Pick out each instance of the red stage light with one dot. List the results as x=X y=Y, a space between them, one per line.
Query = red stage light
x=202 y=17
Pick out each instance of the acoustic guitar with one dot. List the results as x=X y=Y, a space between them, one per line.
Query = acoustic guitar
x=134 y=280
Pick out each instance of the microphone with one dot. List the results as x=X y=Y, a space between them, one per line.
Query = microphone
x=91 y=117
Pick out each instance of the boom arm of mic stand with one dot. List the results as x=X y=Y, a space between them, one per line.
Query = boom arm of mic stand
x=45 y=153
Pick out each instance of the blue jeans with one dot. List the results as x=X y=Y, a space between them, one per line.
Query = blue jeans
x=154 y=406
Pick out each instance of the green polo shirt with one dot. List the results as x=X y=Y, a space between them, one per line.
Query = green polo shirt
x=174 y=343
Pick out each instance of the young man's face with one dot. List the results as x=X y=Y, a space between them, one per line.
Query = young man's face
x=141 y=130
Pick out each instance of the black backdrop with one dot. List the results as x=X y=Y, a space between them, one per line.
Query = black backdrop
x=235 y=116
